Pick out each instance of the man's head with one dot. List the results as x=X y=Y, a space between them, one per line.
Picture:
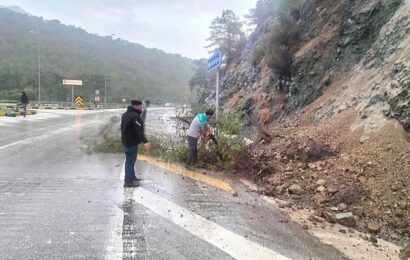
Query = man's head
x=136 y=104
x=209 y=113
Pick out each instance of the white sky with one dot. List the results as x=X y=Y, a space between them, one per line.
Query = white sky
x=175 y=26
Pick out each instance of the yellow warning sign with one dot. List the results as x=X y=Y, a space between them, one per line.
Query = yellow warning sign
x=79 y=101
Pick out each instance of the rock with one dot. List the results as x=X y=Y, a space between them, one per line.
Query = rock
x=346 y=219
x=332 y=189
x=321 y=182
x=318 y=212
x=362 y=179
x=312 y=166
x=358 y=211
x=318 y=200
x=315 y=219
x=305 y=227
x=329 y=217
x=295 y=189
x=373 y=227
x=373 y=239
x=321 y=189
x=405 y=252
x=289 y=169
x=342 y=230
x=280 y=189
x=402 y=204
x=363 y=139
x=285 y=204
x=342 y=207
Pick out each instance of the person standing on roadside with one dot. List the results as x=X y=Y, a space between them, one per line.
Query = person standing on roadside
x=198 y=127
x=145 y=110
x=24 y=102
x=132 y=134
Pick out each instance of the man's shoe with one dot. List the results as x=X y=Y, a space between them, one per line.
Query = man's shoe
x=136 y=179
x=131 y=184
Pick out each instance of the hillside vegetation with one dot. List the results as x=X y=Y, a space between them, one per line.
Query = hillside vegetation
x=323 y=88
x=69 y=52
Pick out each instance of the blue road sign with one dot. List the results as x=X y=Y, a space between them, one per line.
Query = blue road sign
x=214 y=61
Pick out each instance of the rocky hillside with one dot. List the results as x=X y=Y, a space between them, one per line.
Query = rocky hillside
x=330 y=116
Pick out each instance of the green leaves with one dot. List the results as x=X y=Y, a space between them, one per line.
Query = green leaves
x=225 y=35
x=70 y=52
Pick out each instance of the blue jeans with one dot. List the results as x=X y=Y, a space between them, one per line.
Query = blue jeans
x=130 y=159
x=192 y=150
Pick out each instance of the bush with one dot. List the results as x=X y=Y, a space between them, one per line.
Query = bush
x=278 y=46
x=257 y=56
x=229 y=124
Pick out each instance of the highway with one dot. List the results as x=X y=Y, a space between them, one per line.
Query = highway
x=59 y=201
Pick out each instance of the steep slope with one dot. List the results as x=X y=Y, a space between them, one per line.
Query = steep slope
x=69 y=52
x=334 y=133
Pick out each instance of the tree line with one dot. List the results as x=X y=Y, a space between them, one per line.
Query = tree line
x=68 y=52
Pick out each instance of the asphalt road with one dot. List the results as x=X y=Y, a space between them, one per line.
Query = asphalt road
x=59 y=202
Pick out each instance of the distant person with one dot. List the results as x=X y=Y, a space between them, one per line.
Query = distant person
x=198 y=127
x=132 y=134
x=23 y=102
x=147 y=103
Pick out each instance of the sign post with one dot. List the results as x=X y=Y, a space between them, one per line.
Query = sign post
x=214 y=62
x=72 y=83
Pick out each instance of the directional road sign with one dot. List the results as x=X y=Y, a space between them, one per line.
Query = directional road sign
x=97 y=99
x=79 y=101
x=72 y=82
x=214 y=61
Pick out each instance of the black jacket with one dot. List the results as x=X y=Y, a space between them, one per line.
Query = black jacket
x=132 y=128
x=23 y=98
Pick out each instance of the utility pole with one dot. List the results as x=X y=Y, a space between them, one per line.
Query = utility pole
x=217 y=94
x=105 y=88
x=39 y=70
x=38 y=64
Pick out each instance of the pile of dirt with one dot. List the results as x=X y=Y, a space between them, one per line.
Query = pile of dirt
x=331 y=169
x=335 y=139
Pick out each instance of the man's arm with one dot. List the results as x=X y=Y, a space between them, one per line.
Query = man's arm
x=204 y=128
x=139 y=128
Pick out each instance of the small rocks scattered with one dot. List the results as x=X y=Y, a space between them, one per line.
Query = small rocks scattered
x=342 y=230
x=346 y=219
x=373 y=227
x=295 y=189
x=405 y=253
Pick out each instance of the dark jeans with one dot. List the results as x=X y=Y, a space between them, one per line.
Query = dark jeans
x=130 y=159
x=192 y=150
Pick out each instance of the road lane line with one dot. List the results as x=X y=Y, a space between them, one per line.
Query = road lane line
x=115 y=243
x=44 y=136
x=217 y=183
x=226 y=240
x=27 y=140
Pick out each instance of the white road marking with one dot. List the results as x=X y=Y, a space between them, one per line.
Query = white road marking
x=49 y=134
x=115 y=243
x=40 y=137
x=224 y=239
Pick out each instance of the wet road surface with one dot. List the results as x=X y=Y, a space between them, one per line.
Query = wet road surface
x=59 y=202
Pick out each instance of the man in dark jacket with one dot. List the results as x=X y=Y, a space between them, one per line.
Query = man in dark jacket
x=23 y=102
x=132 y=134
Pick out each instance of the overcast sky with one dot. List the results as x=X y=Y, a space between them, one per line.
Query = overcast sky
x=175 y=26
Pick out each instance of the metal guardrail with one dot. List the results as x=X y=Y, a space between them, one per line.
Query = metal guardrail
x=62 y=105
